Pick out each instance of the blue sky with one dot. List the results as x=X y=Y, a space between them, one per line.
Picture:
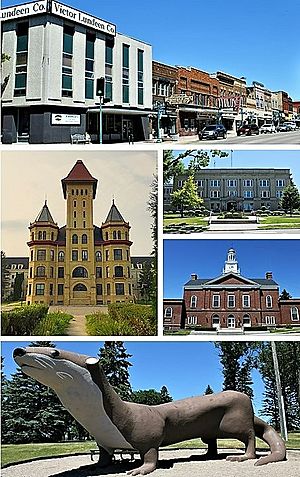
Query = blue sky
x=185 y=368
x=255 y=257
x=258 y=40
x=289 y=159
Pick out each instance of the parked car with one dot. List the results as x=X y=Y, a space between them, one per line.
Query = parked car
x=267 y=128
x=213 y=131
x=283 y=128
x=291 y=125
x=248 y=129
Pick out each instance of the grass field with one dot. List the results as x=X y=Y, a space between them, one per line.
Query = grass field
x=176 y=219
x=18 y=453
x=276 y=222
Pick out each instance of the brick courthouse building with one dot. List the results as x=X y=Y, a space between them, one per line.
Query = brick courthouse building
x=230 y=301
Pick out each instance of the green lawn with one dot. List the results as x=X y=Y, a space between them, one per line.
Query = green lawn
x=18 y=453
x=274 y=222
x=176 y=219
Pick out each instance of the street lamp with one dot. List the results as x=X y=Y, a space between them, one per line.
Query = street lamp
x=100 y=85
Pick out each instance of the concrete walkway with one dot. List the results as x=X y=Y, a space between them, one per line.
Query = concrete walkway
x=77 y=325
x=172 y=463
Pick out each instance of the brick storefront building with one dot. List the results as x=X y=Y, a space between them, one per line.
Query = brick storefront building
x=231 y=301
x=164 y=79
x=203 y=91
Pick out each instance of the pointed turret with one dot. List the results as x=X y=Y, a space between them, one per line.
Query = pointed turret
x=114 y=214
x=45 y=215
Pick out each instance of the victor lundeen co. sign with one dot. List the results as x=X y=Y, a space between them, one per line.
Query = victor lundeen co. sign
x=59 y=9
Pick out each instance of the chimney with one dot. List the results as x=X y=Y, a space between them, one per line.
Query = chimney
x=269 y=275
x=194 y=276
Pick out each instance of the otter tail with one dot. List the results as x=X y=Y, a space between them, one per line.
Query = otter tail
x=274 y=441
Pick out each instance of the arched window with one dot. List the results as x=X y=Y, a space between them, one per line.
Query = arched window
x=61 y=256
x=98 y=256
x=80 y=287
x=246 y=320
x=193 y=302
x=40 y=271
x=114 y=235
x=40 y=235
x=269 y=301
x=118 y=271
x=119 y=234
x=44 y=235
x=215 y=321
x=294 y=313
x=106 y=235
x=52 y=235
x=79 y=272
x=168 y=312
x=74 y=238
x=84 y=238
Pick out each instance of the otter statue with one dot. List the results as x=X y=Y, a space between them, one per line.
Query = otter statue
x=83 y=389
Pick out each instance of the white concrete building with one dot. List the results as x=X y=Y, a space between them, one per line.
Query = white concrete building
x=56 y=55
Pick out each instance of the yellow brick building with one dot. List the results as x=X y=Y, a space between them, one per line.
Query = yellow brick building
x=80 y=263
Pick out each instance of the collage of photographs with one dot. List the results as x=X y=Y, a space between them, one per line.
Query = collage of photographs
x=150 y=239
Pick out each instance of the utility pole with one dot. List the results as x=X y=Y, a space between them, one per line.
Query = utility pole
x=283 y=427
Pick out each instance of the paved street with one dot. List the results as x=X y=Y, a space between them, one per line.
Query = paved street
x=291 y=137
x=173 y=463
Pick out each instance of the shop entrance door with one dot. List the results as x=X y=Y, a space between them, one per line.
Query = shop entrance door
x=22 y=124
x=126 y=129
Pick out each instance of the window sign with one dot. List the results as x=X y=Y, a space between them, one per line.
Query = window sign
x=65 y=119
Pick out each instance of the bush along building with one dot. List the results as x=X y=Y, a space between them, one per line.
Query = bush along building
x=231 y=302
x=80 y=263
x=55 y=54
x=236 y=189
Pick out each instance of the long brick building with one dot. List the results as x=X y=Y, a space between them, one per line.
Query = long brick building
x=241 y=189
x=230 y=301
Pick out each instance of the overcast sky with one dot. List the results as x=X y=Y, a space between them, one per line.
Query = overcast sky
x=29 y=177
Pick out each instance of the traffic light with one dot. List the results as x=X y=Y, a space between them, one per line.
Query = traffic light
x=100 y=85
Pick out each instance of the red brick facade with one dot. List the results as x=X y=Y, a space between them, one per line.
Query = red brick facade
x=174 y=314
x=232 y=301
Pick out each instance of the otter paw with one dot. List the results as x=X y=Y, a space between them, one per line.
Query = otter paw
x=239 y=458
x=143 y=470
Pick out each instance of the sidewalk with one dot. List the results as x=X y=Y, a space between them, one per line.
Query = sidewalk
x=172 y=463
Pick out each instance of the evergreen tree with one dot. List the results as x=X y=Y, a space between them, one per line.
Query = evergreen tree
x=290 y=199
x=146 y=282
x=288 y=355
x=237 y=361
x=115 y=364
x=18 y=287
x=187 y=196
x=208 y=390
x=32 y=412
x=165 y=395
x=4 y=275
x=152 y=206
x=285 y=295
